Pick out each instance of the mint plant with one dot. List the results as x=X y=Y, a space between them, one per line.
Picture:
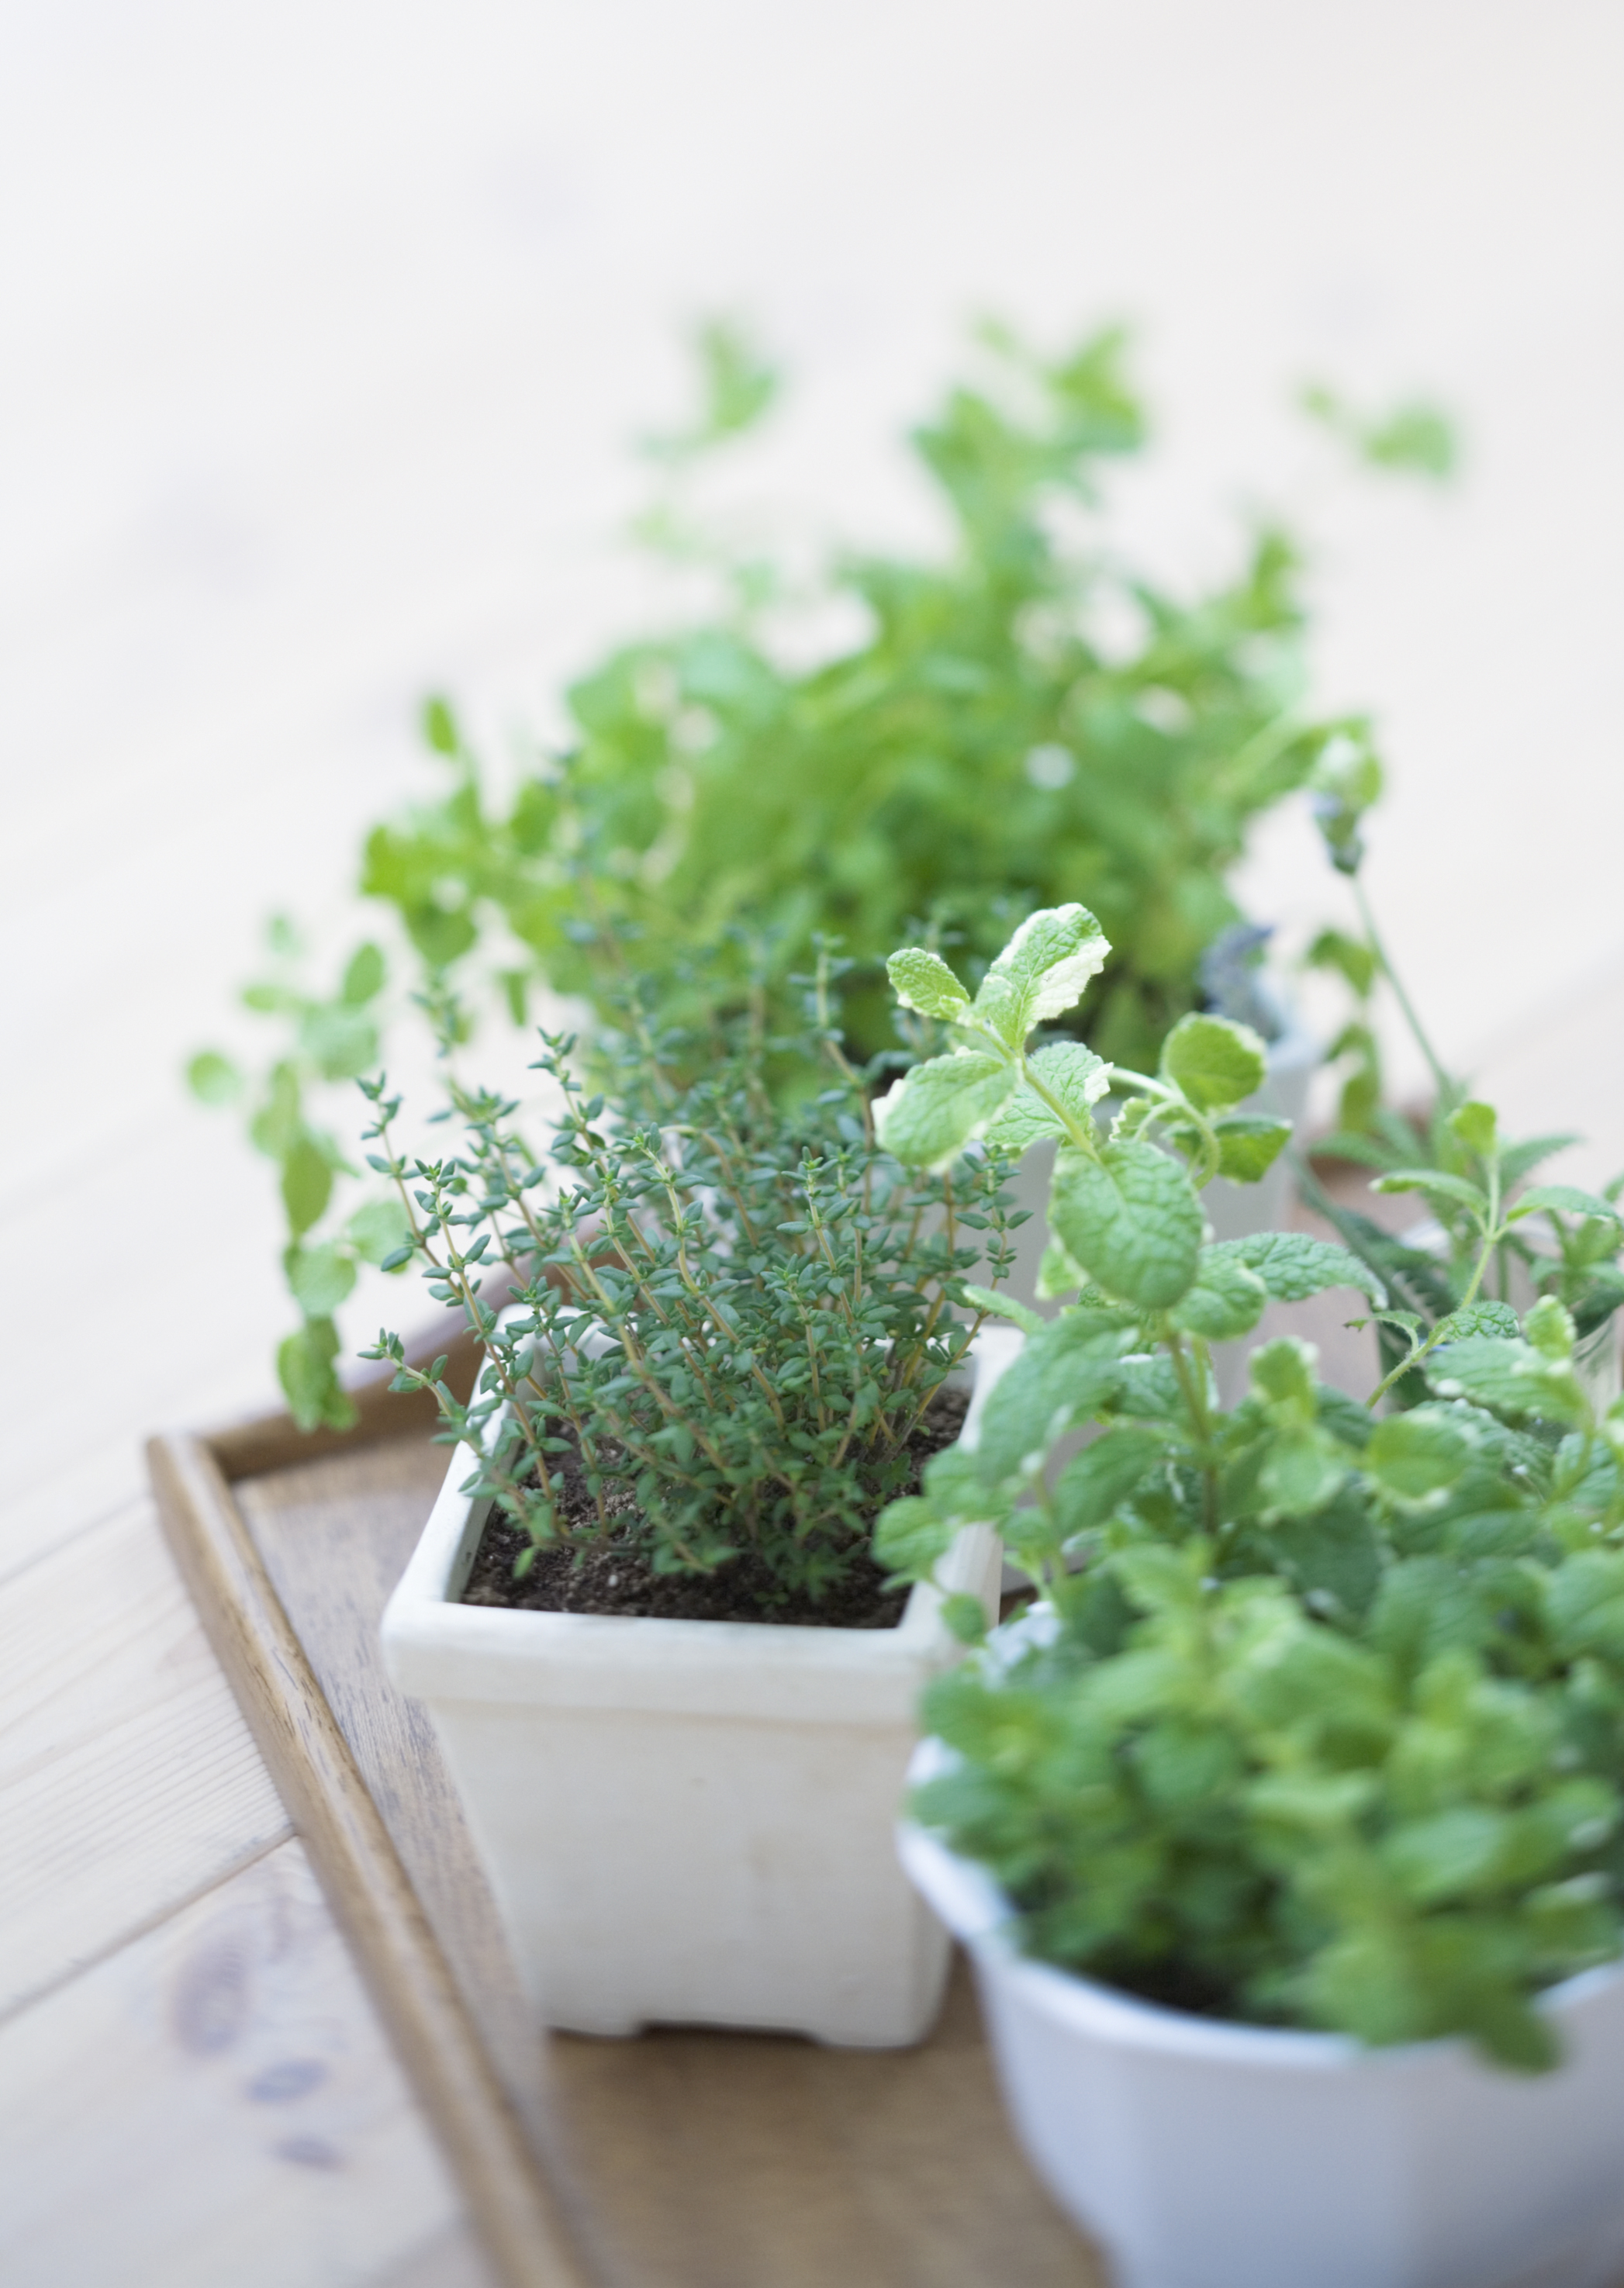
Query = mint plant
x=714 y=1326
x=1319 y=1719
x=1454 y=1159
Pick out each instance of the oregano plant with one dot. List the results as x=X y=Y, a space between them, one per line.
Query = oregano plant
x=1319 y=1719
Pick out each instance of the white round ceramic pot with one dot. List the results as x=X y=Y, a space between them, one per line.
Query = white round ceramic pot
x=1206 y=2155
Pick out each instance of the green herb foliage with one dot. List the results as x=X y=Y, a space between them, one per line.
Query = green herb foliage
x=1320 y=1720
x=330 y=1038
x=983 y=750
x=732 y=1315
x=1027 y=718
x=1559 y=1240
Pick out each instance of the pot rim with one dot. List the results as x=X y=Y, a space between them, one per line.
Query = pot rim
x=979 y=1914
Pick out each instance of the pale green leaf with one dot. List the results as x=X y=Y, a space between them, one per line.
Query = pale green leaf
x=319 y=1278
x=1437 y=1184
x=1005 y=1307
x=1073 y=1075
x=307 y=1184
x=1213 y=1061
x=1227 y=1299
x=923 y=981
x=1563 y=1199
x=1477 y=1127
x=1043 y=969
x=1132 y=1219
x=213 y=1080
x=936 y=1109
x=1417 y=1457
x=1248 y=1146
x=1292 y=1266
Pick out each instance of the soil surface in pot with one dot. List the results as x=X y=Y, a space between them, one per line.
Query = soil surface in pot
x=615 y=1577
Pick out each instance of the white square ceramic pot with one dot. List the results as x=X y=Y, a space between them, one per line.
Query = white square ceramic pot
x=691 y=1822
x=1205 y=2155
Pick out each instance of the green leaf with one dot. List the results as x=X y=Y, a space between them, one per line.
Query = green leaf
x=1131 y=1219
x=1005 y=1307
x=342 y=1041
x=1301 y=1470
x=911 y=1537
x=1057 y=1274
x=937 y=1109
x=304 y=1368
x=1095 y=1483
x=307 y=1184
x=1213 y=1062
x=1073 y=1075
x=1062 y=1378
x=1293 y=1266
x=1563 y=1199
x=1508 y=1378
x=378 y=1229
x=1248 y=1146
x=1437 y=1184
x=213 y=1080
x=964 y=1618
x=1477 y=1127
x=363 y=979
x=1417 y=1457
x=1227 y=1299
x=440 y=729
x=1282 y=1375
x=319 y=1278
x=923 y=981
x=1486 y=1318
x=1041 y=972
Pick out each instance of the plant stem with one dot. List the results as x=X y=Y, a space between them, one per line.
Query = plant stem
x=1449 y=1090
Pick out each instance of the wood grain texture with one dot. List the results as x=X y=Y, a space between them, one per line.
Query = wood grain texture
x=306 y=1751
x=690 y=2159
x=216 y=2103
x=129 y=1781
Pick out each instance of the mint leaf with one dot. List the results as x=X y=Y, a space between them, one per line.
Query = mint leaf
x=1292 y=1266
x=1073 y=1075
x=1508 y=1378
x=1063 y=1377
x=1132 y=1219
x=1213 y=1061
x=1477 y=1127
x=1228 y=1298
x=935 y=1109
x=911 y=1537
x=1248 y=1146
x=1041 y=972
x=213 y=1080
x=1005 y=1307
x=307 y=1184
x=319 y=1278
x=1417 y=1457
x=1095 y=1483
x=1564 y=1199
x=1487 y=1318
x=924 y=981
x=1435 y=1185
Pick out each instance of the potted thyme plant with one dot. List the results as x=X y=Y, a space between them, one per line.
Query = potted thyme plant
x=1286 y=1827
x=675 y=1690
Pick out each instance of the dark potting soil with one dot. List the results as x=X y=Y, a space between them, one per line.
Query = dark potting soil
x=615 y=1575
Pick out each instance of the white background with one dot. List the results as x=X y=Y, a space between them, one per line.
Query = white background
x=327 y=327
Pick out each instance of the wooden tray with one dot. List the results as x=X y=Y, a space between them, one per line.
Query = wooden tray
x=685 y=2159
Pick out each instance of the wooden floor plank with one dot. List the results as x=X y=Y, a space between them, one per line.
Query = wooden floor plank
x=129 y=1781
x=215 y=2103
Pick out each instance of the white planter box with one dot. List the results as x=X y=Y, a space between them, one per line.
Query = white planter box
x=690 y=1820
x=1206 y=2155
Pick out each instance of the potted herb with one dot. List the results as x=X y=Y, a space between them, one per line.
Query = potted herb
x=675 y=1691
x=1021 y=716
x=1287 y=1827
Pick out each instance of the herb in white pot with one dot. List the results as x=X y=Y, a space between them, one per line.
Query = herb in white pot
x=1313 y=1741
x=680 y=1713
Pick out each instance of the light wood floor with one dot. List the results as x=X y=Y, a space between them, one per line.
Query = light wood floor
x=326 y=332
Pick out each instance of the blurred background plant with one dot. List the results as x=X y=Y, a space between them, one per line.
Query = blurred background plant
x=1028 y=718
